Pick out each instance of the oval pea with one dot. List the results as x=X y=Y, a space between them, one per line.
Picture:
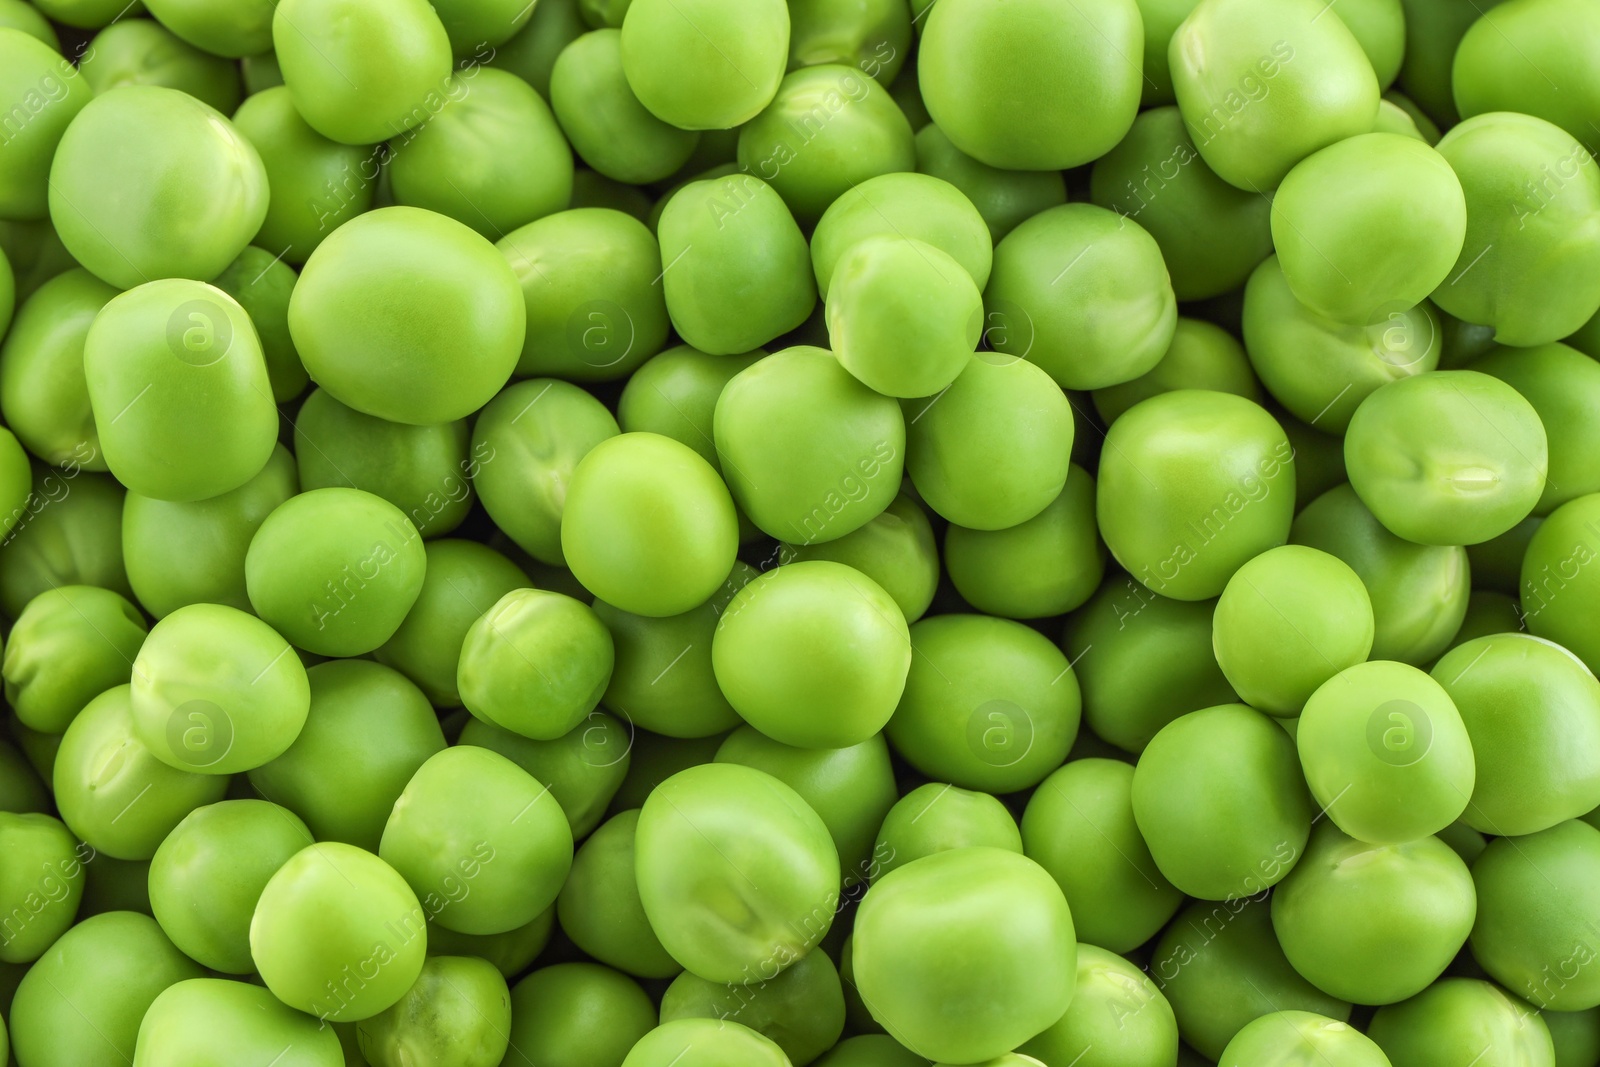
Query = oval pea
x=459 y=1011
x=1458 y=1018
x=599 y=905
x=907 y=204
x=1558 y=589
x=42 y=362
x=36 y=66
x=143 y=52
x=705 y=64
x=69 y=645
x=607 y=125
x=41 y=884
x=201 y=1018
x=801 y=1009
x=1118 y=1016
x=955 y=818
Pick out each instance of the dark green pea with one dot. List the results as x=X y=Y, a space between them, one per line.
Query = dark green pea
x=705 y=64
x=44 y=392
x=81 y=1003
x=874 y=37
x=609 y=128
x=475 y=26
x=143 y=52
x=261 y=284
x=896 y=549
x=21 y=787
x=1079 y=825
x=116 y=885
x=1464 y=840
x=463 y=580
x=1488 y=612
x=194 y=552
x=231 y=30
x=366 y=734
x=1318 y=460
x=41 y=884
x=577 y=1015
x=655 y=758
x=599 y=904
x=261 y=73
x=583 y=769
x=1003 y=197
x=604 y=14
x=1586 y=340
x=800 y=1009
x=208 y=874
x=1392 y=118
x=68 y=646
x=852 y=788
x=49 y=92
x=1454 y=1020
x=69 y=533
x=1420 y=121
x=1418 y=592
x=675 y=394
x=1575 y=1036
x=1201 y=356
x=871 y=1050
x=458 y=1012
x=511 y=952
x=1117 y=1018
x=592 y=189
x=211 y=1020
x=1220 y=967
x=1373 y=924
x=1563 y=386
x=1211 y=234
x=1558 y=589
x=36 y=253
x=531 y=52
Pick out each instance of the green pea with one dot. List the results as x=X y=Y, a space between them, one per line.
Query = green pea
x=1534 y=272
x=648 y=526
x=112 y=790
x=1289 y=1035
x=737 y=873
x=1201 y=356
x=492 y=157
x=194 y=552
x=150 y=357
x=1318 y=460
x=212 y=1020
x=21 y=787
x=142 y=52
x=918 y=976
x=81 y=1003
x=1463 y=840
x=1458 y=1018
x=223 y=29
x=1418 y=592
x=1587 y=339
x=1010 y=85
x=896 y=549
x=408 y=315
x=1392 y=118
x=989 y=704
x=458 y=1012
x=511 y=952
x=609 y=128
x=354 y=706
x=1322 y=370
x=1177 y=535
x=915 y=206
x=1004 y=198
x=1420 y=122
x=475 y=24
x=705 y=64
x=1488 y=612
x=736 y=268
x=1447 y=458
x=982 y=470
x=40 y=885
x=132 y=230
x=50 y=93
x=68 y=646
x=1288 y=620
x=599 y=905
x=801 y=1010
x=116 y=885
x=1385 y=753
x=584 y=768
x=207 y=876
x=422 y=470
x=809 y=453
x=261 y=73
x=1379 y=27
x=1079 y=826
x=531 y=52
x=810 y=636
x=82 y=14
x=22 y=15
x=1211 y=234
x=1117 y=1018
x=1220 y=801
x=955 y=818
x=852 y=789
x=1563 y=385
x=1220 y=968
x=317 y=184
x=871 y=1050
x=576 y=1015
x=1110 y=324
x=535 y=663
x=1495 y=68
x=1161 y=20
x=675 y=394
x=1557 y=592
x=873 y=37
x=261 y=284
x=69 y=532
x=1575 y=1035
x=1262 y=87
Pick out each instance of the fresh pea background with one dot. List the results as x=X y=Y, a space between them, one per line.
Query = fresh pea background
x=768 y=533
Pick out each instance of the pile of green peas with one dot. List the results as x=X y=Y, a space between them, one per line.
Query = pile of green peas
x=759 y=533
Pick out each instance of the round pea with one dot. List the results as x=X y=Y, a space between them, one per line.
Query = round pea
x=262 y=284
x=583 y=769
x=736 y=872
x=69 y=532
x=1558 y=588
x=33 y=66
x=69 y=645
x=1282 y=1034
x=202 y=1020
x=535 y=663
x=331 y=913
x=1112 y=319
x=1117 y=1018
x=801 y=1009
x=1494 y=68
x=609 y=128
x=1003 y=197
x=365 y=735
x=938 y=817
x=1456 y=1019
x=407 y=315
x=492 y=158
x=1563 y=386
x=44 y=392
x=1379 y=26
x=531 y=52
x=223 y=29
x=705 y=64
x=458 y=1012
x=873 y=37
x=22 y=15
x=1288 y=620
x=599 y=904
x=476 y=26
x=41 y=883
x=704 y=1043
x=142 y=52
x=511 y=952
x=576 y=1015
x=896 y=549
x=674 y=393
x=1201 y=356
x=903 y=204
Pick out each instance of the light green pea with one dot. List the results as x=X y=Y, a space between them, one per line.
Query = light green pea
x=736 y=268
x=113 y=792
x=422 y=470
x=1418 y=592
x=809 y=453
x=216 y=690
x=1117 y=1018
x=989 y=704
x=873 y=37
x=705 y=64
x=69 y=532
x=142 y=52
x=69 y=645
x=1003 y=197
x=1161 y=20
x=531 y=52
x=458 y=1012
x=1385 y=753
x=194 y=552
x=50 y=92
x=477 y=25
x=609 y=128
x=41 y=884
x=223 y=29
x=1262 y=87
x=1424 y=125
x=1379 y=26
x=801 y=1010
x=896 y=549
x=578 y=1015
x=1535 y=267
x=1392 y=118
x=16 y=484
x=1558 y=587
x=599 y=904
x=904 y=204
x=1563 y=385
x=535 y=663
x=1211 y=234
x=81 y=1004
x=937 y=817
x=674 y=393
x=261 y=283
x=1456 y=1019
x=1284 y=1034
x=583 y=769
x=704 y=1043
x=22 y=15
x=366 y=733
x=1500 y=64
x=511 y=953
x=317 y=184
x=213 y=1020
x=1322 y=370
x=1201 y=356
